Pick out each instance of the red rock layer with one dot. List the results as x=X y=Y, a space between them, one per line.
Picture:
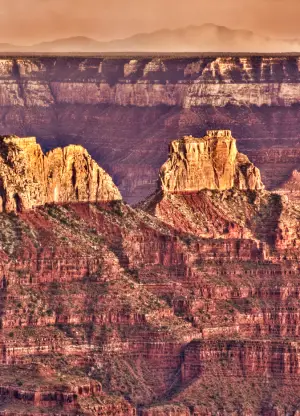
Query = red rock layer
x=121 y=302
x=106 y=309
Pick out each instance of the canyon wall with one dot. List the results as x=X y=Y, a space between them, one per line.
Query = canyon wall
x=125 y=110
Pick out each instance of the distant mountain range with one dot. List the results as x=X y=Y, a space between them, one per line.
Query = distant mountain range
x=205 y=38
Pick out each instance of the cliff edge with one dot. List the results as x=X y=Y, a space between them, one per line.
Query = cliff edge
x=29 y=178
x=211 y=162
x=207 y=188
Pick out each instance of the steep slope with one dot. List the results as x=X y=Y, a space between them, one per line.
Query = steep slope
x=73 y=319
x=111 y=310
x=236 y=292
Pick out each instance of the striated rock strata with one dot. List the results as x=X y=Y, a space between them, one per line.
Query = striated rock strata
x=29 y=178
x=188 y=306
x=124 y=110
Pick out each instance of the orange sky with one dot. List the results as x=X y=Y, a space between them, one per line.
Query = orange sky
x=32 y=21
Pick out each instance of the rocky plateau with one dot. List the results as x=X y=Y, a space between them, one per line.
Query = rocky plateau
x=186 y=304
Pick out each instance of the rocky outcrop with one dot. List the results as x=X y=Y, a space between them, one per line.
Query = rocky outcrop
x=208 y=189
x=29 y=178
x=211 y=162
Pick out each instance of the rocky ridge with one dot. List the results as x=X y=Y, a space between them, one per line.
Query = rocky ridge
x=185 y=305
x=29 y=178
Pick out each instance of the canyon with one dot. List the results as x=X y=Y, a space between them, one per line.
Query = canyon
x=186 y=304
x=126 y=109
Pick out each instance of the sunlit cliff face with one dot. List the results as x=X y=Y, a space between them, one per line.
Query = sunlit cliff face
x=34 y=21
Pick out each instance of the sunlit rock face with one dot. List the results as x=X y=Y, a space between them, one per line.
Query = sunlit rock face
x=211 y=162
x=207 y=188
x=29 y=178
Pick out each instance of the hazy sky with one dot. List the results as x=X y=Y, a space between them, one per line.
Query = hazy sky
x=31 y=21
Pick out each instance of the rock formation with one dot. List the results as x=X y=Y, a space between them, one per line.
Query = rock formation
x=193 y=310
x=125 y=110
x=29 y=178
x=207 y=188
x=291 y=187
x=211 y=162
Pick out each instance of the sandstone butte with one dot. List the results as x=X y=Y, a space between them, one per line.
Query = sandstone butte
x=29 y=178
x=185 y=305
x=211 y=162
